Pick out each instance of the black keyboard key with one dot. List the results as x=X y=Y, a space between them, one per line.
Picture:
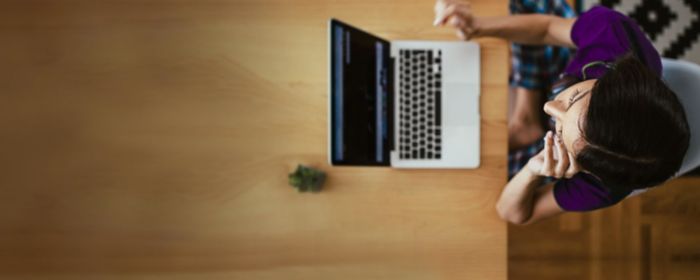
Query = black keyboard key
x=438 y=109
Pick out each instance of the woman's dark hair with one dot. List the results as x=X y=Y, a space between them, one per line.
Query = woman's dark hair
x=635 y=131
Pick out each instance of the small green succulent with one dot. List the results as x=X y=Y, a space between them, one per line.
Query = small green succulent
x=307 y=179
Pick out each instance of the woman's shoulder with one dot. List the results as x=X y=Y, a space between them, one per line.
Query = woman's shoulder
x=598 y=11
x=595 y=20
x=603 y=34
x=584 y=192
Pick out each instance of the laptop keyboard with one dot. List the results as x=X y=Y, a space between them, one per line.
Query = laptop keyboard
x=420 y=74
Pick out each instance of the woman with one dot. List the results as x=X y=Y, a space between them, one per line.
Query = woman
x=616 y=126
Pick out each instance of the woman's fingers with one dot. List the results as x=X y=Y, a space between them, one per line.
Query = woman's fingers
x=440 y=5
x=465 y=33
x=445 y=10
x=573 y=167
x=461 y=35
x=456 y=22
x=544 y=164
x=563 y=161
x=548 y=164
x=455 y=13
x=535 y=163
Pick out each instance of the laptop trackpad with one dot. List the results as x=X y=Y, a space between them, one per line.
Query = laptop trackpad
x=460 y=104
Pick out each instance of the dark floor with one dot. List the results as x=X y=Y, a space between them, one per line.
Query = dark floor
x=653 y=236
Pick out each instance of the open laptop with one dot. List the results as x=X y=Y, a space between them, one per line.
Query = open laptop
x=404 y=104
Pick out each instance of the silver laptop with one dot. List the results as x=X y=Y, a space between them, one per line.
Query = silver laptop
x=404 y=104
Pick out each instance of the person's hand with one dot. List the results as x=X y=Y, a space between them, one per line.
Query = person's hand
x=456 y=13
x=544 y=163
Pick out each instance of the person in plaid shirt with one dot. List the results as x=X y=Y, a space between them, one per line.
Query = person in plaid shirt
x=610 y=124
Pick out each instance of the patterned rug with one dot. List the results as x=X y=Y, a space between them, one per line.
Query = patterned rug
x=672 y=25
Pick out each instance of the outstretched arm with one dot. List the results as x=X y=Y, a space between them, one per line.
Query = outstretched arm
x=532 y=29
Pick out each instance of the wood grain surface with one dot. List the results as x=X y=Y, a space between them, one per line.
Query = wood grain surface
x=651 y=236
x=152 y=140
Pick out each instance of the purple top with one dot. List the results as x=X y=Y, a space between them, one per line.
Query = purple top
x=599 y=35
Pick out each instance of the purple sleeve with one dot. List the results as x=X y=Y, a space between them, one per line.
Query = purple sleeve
x=599 y=35
x=584 y=193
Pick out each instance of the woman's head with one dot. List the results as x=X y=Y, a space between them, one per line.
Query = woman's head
x=626 y=128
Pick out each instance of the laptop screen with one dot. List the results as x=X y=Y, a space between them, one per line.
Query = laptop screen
x=360 y=96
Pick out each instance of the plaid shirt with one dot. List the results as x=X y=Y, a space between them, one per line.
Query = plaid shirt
x=536 y=68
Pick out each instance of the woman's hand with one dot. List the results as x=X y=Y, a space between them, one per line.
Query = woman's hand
x=456 y=13
x=544 y=163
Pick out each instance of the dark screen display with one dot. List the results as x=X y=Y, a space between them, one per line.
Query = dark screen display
x=360 y=97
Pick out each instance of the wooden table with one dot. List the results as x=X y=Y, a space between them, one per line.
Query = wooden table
x=152 y=139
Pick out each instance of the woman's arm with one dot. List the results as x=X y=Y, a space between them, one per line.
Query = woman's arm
x=533 y=29
x=523 y=200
